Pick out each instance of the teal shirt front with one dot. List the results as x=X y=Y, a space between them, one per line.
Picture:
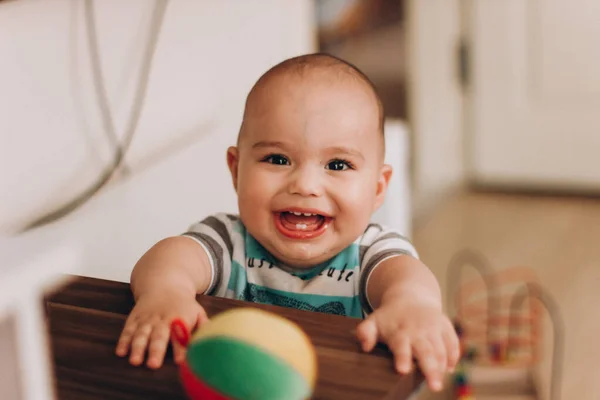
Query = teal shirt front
x=340 y=271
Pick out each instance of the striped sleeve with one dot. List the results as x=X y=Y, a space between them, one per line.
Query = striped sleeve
x=214 y=234
x=377 y=244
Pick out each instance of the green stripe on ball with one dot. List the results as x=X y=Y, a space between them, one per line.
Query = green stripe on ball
x=245 y=372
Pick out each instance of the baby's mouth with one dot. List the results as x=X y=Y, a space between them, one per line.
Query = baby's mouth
x=301 y=225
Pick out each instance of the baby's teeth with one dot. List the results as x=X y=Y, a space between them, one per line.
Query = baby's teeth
x=301 y=226
x=297 y=213
x=307 y=214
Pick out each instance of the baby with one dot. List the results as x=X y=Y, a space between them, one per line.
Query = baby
x=309 y=173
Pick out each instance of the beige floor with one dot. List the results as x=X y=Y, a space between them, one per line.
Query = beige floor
x=559 y=237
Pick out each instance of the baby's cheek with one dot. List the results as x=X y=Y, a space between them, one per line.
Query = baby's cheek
x=263 y=186
x=253 y=190
x=356 y=209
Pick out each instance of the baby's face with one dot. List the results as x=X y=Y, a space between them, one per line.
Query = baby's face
x=308 y=170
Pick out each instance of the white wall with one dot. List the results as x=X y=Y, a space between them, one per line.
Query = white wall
x=435 y=100
x=209 y=54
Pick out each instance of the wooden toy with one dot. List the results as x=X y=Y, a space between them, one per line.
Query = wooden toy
x=246 y=354
x=498 y=323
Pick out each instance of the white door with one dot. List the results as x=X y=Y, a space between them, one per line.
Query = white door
x=534 y=95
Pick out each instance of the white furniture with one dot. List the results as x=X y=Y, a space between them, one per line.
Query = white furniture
x=26 y=274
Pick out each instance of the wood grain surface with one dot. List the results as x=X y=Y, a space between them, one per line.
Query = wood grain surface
x=85 y=319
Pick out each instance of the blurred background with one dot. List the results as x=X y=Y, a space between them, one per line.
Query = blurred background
x=115 y=116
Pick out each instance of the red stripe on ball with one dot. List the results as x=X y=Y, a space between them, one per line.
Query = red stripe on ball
x=195 y=388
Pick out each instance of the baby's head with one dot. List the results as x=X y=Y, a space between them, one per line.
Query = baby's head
x=309 y=167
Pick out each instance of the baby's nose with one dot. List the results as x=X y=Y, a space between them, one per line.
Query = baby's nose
x=307 y=181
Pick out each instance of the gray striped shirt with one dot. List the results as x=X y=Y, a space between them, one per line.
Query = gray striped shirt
x=242 y=268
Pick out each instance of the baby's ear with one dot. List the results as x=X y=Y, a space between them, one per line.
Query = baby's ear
x=233 y=158
x=382 y=184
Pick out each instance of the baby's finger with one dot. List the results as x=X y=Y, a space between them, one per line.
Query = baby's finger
x=202 y=317
x=366 y=332
x=441 y=355
x=125 y=338
x=399 y=344
x=452 y=347
x=139 y=343
x=159 y=339
x=428 y=362
x=179 y=351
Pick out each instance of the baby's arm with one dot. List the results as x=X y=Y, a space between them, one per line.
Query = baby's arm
x=164 y=283
x=403 y=276
x=178 y=264
x=408 y=317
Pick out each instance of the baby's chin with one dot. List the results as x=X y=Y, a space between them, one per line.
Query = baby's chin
x=303 y=255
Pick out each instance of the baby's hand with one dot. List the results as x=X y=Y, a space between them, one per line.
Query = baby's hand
x=413 y=328
x=148 y=327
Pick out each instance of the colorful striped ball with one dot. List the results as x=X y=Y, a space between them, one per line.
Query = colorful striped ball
x=248 y=354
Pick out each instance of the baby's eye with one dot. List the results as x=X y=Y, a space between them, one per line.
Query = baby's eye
x=277 y=159
x=338 y=165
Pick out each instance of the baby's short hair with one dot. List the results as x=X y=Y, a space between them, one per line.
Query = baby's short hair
x=310 y=62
